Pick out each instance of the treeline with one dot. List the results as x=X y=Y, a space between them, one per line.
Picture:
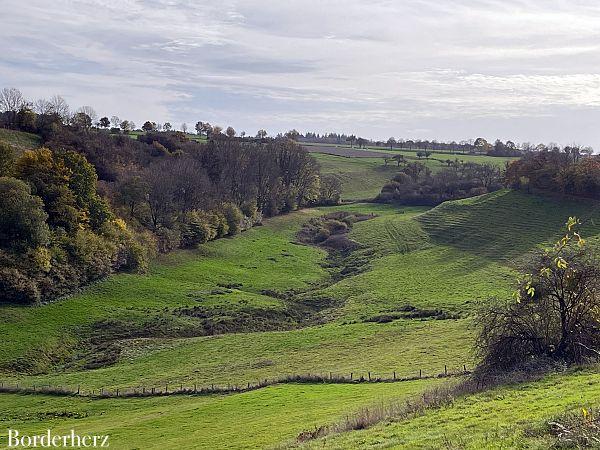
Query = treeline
x=90 y=202
x=415 y=184
x=560 y=171
x=479 y=146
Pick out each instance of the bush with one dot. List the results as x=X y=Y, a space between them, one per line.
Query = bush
x=196 y=229
x=234 y=217
x=7 y=159
x=18 y=288
x=555 y=315
x=167 y=239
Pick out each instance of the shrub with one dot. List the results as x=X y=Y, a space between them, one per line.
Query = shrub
x=167 y=239
x=554 y=315
x=16 y=287
x=234 y=217
x=196 y=229
x=7 y=159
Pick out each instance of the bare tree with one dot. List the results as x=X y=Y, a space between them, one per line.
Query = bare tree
x=90 y=112
x=11 y=99
x=58 y=105
x=184 y=127
x=230 y=132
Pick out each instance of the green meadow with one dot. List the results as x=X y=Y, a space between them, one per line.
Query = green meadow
x=401 y=302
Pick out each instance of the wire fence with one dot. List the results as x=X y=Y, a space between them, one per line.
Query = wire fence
x=211 y=389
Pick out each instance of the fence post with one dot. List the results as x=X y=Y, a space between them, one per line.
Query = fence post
x=195 y=389
x=464 y=367
x=445 y=369
x=351 y=375
x=420 y=373
x=394 y=374
x=78 y=389
x=369 y=376
x=166 y=388
x=152 y=391
x=117 y=392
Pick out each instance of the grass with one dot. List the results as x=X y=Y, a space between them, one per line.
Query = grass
x=20 y=140
x=512 y=416
x=262 y=258
x=404 y=346
x=258 y=419
x=362 y=178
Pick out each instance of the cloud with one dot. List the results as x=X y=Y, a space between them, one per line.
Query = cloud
x=450 y=70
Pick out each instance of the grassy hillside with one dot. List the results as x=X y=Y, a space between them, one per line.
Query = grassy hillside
x=435 y=264
x=363 y=177
x=512 y=416
x=20 y=140
x=258 y=419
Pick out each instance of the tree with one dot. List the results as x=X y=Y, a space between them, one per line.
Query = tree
x=133 y=192
x=361 y=142
x=81 y=120
x=11 y=101
x=184 y=127
x=58 y=105
x=115 y=121
x=125 y=126
x=49 y=179
x=230 y=132
x=89 y=111
x=104 y=122
x=293 y=135
x=148 y=126
x=261 y=134
x=330 y=189
x=554 y=313
x=167 y=126
x=207 y=129
x=391 y=142
x=199 y=127
x=7 y=159
x=22 y=217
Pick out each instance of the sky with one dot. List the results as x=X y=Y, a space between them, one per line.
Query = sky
x=429 y=69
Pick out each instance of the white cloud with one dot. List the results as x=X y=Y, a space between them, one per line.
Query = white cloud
x=451 y=69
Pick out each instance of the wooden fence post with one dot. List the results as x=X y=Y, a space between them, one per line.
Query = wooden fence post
x=394 y=374
x=351 y=375
x=420 y=373
x=369 y=376
x=445 y=369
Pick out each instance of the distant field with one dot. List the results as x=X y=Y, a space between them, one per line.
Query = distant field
x=347 y=151
x=362 y=178
x=21 y=141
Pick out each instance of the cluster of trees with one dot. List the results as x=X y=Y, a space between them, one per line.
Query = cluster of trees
x=56 y=231
x=415 y=184
x=91 y=201
x=564 y=171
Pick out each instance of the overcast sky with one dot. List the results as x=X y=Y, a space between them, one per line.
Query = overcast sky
x=436 y=69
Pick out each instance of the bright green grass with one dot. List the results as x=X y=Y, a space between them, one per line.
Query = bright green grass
x=508 y=417
x=20 y=140
x=506 y=224
x=258 y=419
x=404 y=346
x=362 y=178
x=255 y=259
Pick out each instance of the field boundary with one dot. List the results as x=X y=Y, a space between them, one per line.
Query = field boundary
x=212 y=389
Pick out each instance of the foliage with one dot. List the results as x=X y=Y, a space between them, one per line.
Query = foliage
x=22 y=217
x=416 y=185
x=555 y=314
